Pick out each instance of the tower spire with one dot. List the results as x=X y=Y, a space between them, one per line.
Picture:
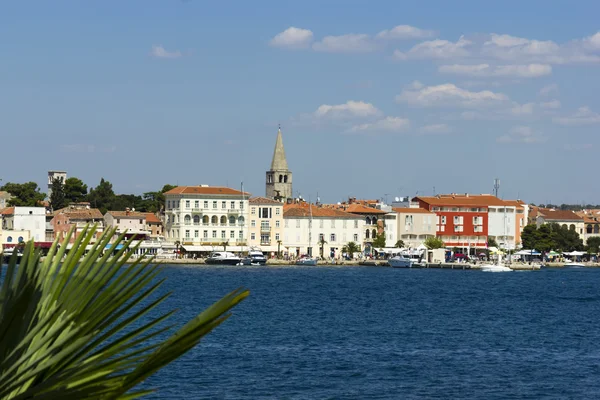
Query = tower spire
x=279 y=177
x=279 y=162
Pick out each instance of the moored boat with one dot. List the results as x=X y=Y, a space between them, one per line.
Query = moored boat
x=400 y=261
x=254 y=257
x=223 y=258
x=307 y=261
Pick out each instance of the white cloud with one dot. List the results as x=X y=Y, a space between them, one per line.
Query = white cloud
x=435 y=129
x=450 y=95
x=293 y=38
x=522 y=109
x=387 y=124
x=508 y=47
x=583 y=116
x=405 y=32
x=350 y=43
x=486 y=70
x=549 y=89
x=350 y=109
x=593 y=41
x=553 y=104
x=436 y=49
x=161 y=52
x=521 y=134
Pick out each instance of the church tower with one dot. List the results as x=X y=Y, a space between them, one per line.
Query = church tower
x=279 y=177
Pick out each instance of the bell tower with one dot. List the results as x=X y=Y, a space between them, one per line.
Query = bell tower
x=279 y=178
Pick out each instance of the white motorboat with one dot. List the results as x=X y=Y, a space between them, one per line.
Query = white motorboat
x=400 y=261
x=307 y=261
x=495 y=268
x=223 y=258
x=254 y=257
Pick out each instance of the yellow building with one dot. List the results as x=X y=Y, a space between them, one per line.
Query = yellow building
x=265 y=230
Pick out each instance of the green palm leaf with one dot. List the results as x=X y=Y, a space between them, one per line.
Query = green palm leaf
x=71 y=325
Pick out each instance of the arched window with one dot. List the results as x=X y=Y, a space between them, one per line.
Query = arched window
x=223 y=220
x=572 y=227
x=232 y=220
x=589 y=229
x=196 y=219
x=280 y=178
x=20 y=240
x=374 y=234
x=285 y=178
x=9 y=239
x=241 y=220
x=368 y=221
x=205 y=220
x=596 y=228
x=187 y=219
x=214 y=220
x=374 y=220
x=367 y=234
x=564 y=225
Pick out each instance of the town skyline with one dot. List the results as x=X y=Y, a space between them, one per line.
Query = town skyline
x=374 y=99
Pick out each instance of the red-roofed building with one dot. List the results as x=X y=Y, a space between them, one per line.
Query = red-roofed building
x=566 y=218
x=79 y=215
x=155 y=225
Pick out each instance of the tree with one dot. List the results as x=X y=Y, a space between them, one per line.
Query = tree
x=434 y=242
x=279 y=242
x=70 y=333
x=565 y=239
x=491 y=242
x=24 y=194
x=379 y=241
x=351 y=248
x=593 y=244
x=57 y=195
x=399 y=244
x=529 y=237
x=102 y=196
x=322 y=243
x=75 y=190
x=155 y=201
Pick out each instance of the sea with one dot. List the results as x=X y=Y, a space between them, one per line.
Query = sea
x=382 y=333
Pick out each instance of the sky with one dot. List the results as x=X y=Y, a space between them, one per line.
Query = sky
x=375 y=99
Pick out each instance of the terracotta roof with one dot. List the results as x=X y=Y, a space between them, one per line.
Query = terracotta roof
x=127 y=214
x=462 y=200
x=206 y=190
x=263 y=200
x=8 y=211
x=559 y=215
x=515 y=203
x=355 y=208
x=304 y=210
x=92 y=213
x=152 y=219
x=410 y=210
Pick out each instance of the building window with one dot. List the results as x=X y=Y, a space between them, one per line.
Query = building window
x=205 y=204
x=277 y=236
x=253 y=211
x=253 y=223
x=196 y=234
x=443 y=220
x=118 y=221
x=332 y=237
x=241 y=205
x=214 y=204
x=197 y=204
x=356 y=237
x=277 y=224
x=187 y=219
x=277 y=211
x=187 y=233
x=253 y=236
x=205 y=234
x=223 y=204
x=232 y=205
x=168 y=204
x=223 y=235
x=187 y=204
x=9 y=239
x=232 y=234
x=265 y=238
x=241 y=235
x=214 y=234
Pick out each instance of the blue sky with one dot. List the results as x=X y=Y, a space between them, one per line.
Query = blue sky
x=374 y=97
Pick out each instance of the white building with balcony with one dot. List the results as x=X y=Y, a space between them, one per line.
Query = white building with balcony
x=502 y=226
x=133 y=222
x=206 y=218
x=266 y=225
x=319 y=231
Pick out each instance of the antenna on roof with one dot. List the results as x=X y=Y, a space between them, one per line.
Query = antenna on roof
x=496 y=186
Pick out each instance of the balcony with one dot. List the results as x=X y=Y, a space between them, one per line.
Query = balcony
x=233 y=211
x=265 y=243
x=265 y=229
x=197 y=210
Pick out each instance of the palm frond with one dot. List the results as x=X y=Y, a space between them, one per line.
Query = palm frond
x=71 y=325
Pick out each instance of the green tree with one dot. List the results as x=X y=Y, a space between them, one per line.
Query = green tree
x=69 y=332
x=279 y=242
x=379 y=241
x=57 y=195
x=491 y=242
x=529 y=237
x=565 y=239
x=322 y=242
x=545 y=239
x=351 y=248
x=24 y=194
x=155 y=201
x=434 y=243
x=399 y=244
x=593 y=245
x=102 y=196
x=75 y=190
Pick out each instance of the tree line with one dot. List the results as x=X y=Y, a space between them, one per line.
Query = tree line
x=74 y=190
x=556 y=237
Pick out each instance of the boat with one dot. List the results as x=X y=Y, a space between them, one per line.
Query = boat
x=223 y=258
x=498 y=267
x=308 y=259
x=254 y=257
x=400 y=261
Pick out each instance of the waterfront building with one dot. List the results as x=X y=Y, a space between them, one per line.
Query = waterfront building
x=155 y=226
x=62 y=175
x=205 y=217
x=16 y=220
x=133 y=222
x=591 y=220
x=278 y=184
x=414 y=225
x=319 y=231
x=521 y=218
x=566 y=218
x=462 y=220
x=265 y=229
x=78 y=215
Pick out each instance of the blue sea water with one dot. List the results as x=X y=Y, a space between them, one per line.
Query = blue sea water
x=382 y=333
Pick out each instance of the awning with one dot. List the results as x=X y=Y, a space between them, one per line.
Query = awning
x=118 y=247
x=191 y=248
